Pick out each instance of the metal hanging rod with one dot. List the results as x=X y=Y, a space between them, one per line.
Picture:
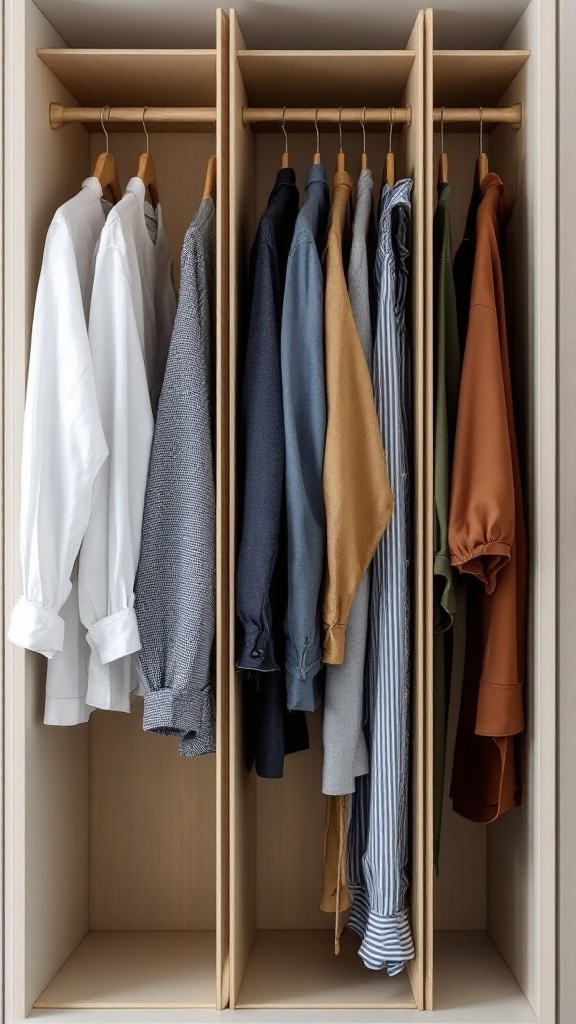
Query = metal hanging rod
x=475 y=115
x=60 y=115
x=329 y=115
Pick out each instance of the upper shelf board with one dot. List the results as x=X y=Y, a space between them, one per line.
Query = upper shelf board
x=330 y=78
x=470 y=78
x=133 y=78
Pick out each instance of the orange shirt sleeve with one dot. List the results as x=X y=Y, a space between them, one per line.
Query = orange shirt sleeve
x=482 y=513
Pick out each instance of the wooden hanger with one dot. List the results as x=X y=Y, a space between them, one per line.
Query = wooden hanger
x=363 y=158
x=285 y=155
x=317 y=158
x=105 y=169
x=443 y=161
x=482 y=159
x=390 y=165
x=210 y=179
x=147 y=168
x=340 y=159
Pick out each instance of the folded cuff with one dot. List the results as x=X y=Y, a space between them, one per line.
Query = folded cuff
x=256 y=654
x=334 y=643
x=500 y=710
x=36 y=627
x=190 y=715
x=115 y=636
x=484 y=562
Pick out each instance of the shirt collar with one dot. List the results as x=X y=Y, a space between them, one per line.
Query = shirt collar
x=94 y=185
x=286 y=176
x=317 y=172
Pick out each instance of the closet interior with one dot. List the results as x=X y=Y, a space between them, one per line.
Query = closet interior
x=118 y=898
x=138 y=879
x=281 y=949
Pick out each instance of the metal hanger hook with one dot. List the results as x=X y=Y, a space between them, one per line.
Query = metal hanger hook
x=284 y=127
x=363 y=123
x=340 y=127
x=391 y=112
x=481 y=132
x=442 y=129
x=102 y=123
x=145 y=129
x=317 y=131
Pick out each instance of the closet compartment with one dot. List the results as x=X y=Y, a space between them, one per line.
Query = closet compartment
x=494 y=894
x=116 y=845
x=282 y=945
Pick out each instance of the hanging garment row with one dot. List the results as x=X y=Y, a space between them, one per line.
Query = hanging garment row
x=118 y=505
x=479 y=531
x=327 y=332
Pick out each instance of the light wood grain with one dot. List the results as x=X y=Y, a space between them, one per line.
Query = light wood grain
x=222 y=510
x=152 y=830
x=414 y=161
x=136 y=969
x=290 y=840
x=242 y=785
x=428 y=191
x=331 y=78
x=472 y=78
x=298 y=968
x=126 y=78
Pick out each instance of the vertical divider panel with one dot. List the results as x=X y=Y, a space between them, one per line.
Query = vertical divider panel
x=242 y=785
x=429 y=503
x=414 y=135
x=222 y=509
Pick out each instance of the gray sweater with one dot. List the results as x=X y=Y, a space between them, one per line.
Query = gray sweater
x=175 y=586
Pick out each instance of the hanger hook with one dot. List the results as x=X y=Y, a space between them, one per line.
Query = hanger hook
x=317 y=131
x=442 y=129
x=363 y=123
x=284 y=127
x=481 y=132
x=102 y=123
x=145 y=129
x=340 y=127
x=391 y=112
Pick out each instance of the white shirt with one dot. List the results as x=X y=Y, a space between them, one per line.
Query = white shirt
x=131 y=318
x=63 y=448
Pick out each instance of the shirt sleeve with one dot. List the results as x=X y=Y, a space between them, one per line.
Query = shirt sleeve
x=304 y=399
x=111 y=548
x=63 y=449
x=261 y=437
x=482 y=506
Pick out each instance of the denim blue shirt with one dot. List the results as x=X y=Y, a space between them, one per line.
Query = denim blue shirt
x=304 y=400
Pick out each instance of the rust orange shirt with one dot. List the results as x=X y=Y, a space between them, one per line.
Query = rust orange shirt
x=487 y=540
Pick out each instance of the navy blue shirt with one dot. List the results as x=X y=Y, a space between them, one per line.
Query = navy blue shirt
x=261 y=588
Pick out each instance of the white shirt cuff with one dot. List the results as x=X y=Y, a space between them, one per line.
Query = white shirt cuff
x=115 y=636
x=37 y=627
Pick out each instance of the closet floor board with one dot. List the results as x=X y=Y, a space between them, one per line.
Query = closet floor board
x=136 y=969
x=298 y=968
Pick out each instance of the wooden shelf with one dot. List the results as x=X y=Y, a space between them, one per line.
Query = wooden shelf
x=470 y=78
x=132 y=78
x=298 y=969
x=331 y=78
x=117 y=970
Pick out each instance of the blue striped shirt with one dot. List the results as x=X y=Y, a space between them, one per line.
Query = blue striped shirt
x=378 y=837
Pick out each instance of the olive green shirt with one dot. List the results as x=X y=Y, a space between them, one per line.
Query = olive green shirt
x=446 y=387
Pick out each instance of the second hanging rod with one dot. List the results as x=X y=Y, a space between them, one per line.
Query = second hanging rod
x=327 y=115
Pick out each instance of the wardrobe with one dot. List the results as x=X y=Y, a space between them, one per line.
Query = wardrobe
x=142 y=886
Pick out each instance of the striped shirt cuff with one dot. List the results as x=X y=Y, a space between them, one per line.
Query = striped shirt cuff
x=386 y=941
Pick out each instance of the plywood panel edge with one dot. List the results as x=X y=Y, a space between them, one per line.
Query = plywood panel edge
x=222 y=509
x=414 y=97
x=429 y=525
x=242 y=864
